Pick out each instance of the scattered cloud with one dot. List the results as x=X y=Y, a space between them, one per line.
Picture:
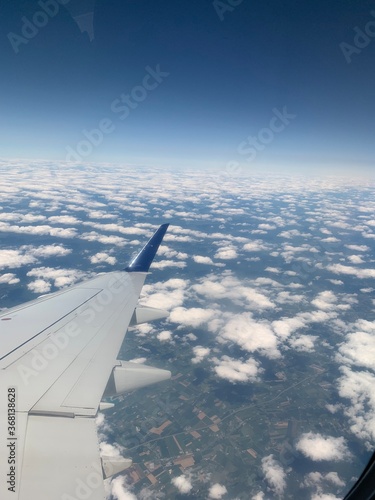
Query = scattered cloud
x=183 y=484
x=200 y=353
x=236 y=371
x=274 y=474
x=318 y=447
x=216 y=491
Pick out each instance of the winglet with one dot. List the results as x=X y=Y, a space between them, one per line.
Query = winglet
x=142 y=262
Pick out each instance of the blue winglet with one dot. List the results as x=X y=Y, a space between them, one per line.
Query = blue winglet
x=142 y=262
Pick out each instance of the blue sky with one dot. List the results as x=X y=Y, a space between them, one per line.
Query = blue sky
x=226 y=69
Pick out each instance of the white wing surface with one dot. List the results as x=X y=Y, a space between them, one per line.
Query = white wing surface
x=58 y=357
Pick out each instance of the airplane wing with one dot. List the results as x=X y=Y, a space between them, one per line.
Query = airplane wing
x=58 y=359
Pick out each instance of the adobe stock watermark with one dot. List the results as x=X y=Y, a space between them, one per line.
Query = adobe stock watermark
x=31 y=27
x=362 y=39
x=253 y=145
x=59 y=341
x=221 y=7
x=122 y=107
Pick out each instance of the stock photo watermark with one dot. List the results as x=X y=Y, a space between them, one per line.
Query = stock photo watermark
x=31 y=27
x=122 y=107
x=255 y=144
x=222 y=7
x=60 y=340
x=361 y=40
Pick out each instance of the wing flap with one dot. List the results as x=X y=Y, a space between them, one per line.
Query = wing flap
x=61 y=460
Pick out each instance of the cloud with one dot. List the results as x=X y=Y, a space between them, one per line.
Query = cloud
x=101 y=238
x=60 y=277
x=162 y=264
x=251 y=335
x=227 y=286
x=39 y=286
x=236 y=371
x=164 y=336
x=194 y=316
x=226 y=253
x=351 y=271
x=217 y=491
x=356 y=259
x=14 y=259
x=103 y=258
x=63 y=219
x=358 y=387
x=9 y=279
x=42 y=230
x=318 y=447
x=200 y=353
x=320 y=482
x=140 y=361
x=165 y=295
x=358 y=248
x=358 y=349
x=48 y=251
x=303 y=343
x=255 y=246
x=200 y=259
x=119 y=489
x=274 y=474
x=170 y=253
x=183 y=484
x=325 y=300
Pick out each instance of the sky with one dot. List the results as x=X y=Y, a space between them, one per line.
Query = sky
x=231 y=84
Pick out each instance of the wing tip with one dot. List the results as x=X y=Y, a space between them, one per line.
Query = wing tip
x=142 y=262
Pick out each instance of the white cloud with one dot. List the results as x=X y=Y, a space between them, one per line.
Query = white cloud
x=358 y=248
x=63 y=219
x=236 y=371
x=255 y=246
x=60 y=277
x=200 y=259
x=102 y=257
x=251 y=335
x=227 y=286
x=9 y=279
x=284 y=327
x=359 y=349
x=164 y=336
x=320 y=482
x=101 y=238
x=318 y=447
x=39 y=286
x=162 y=264
x=274 y=474
x=200 y=353
x=139 y=361
x=14 y=259
x=165 y=295
x=356 y=259
x=359 y=388
x=325 y=300
x=170 y=253
x=183 y=484
x=57 y=232
x=194 y=316
x=217 y=491
x=303 y=343
x=119 y=489
x=352 y=271
x=226 y=253
x=48 y=251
